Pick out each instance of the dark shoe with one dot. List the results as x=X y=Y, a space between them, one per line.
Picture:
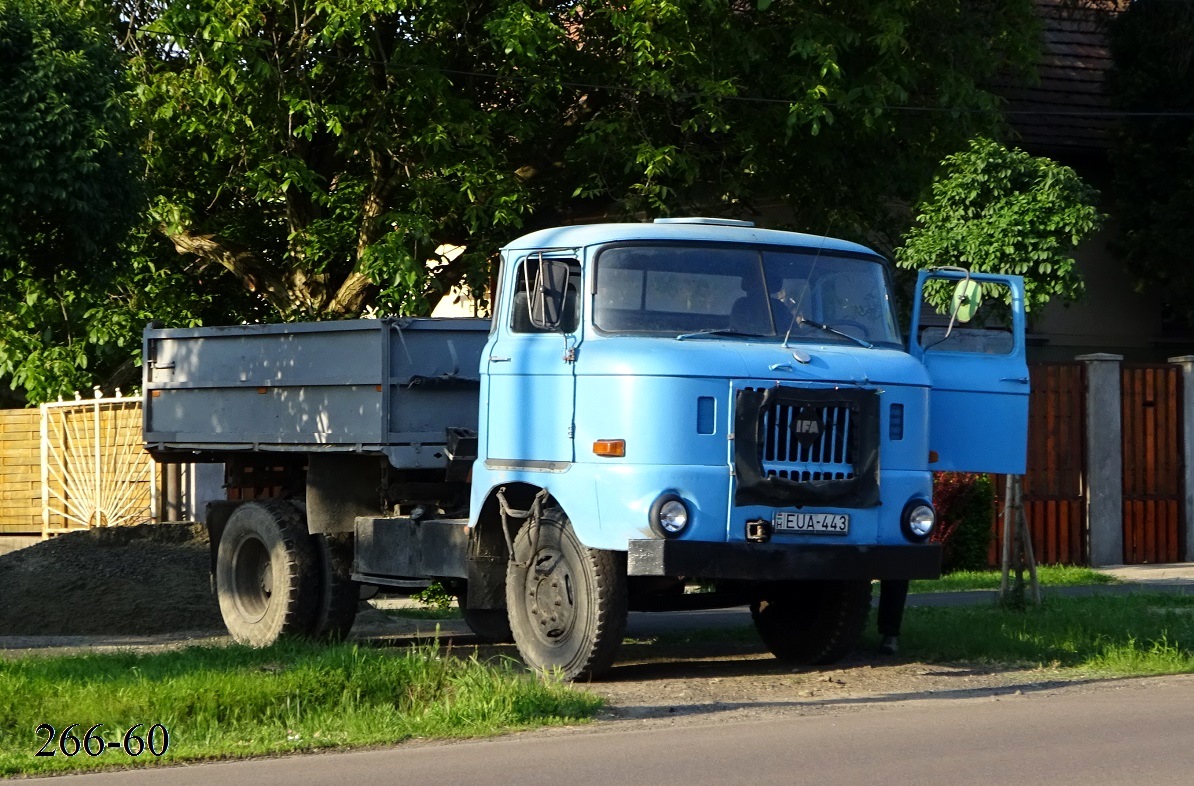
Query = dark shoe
x=890 y=645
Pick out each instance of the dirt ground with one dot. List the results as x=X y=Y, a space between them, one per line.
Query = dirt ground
x=730 y=682
x=147 y=588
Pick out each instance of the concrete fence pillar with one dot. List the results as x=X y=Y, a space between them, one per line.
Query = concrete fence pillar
x=1186 y=363
x=1104 y=459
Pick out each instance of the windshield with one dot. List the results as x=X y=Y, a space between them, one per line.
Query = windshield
x=741 y=291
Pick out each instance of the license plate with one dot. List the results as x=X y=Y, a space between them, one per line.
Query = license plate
x=812 y=523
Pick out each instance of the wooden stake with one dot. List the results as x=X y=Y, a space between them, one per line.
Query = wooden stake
x=1017 y=547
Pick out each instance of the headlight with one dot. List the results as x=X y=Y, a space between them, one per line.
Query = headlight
x=669 y=516
x=917 y=520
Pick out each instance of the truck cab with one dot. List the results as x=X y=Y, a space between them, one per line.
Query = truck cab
x=730 y=408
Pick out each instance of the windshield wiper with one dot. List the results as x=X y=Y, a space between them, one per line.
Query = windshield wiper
x=860 y=342
x=719 y=332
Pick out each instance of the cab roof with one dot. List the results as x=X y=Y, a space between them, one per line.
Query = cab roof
x=686 y=230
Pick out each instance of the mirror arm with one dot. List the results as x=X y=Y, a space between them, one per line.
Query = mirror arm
x=537 y=295
x=526 y=281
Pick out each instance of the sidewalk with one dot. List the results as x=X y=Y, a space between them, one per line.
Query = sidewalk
x=1175 y=573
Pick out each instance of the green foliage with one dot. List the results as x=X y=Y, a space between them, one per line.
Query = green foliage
x=230 y=702
x=306 y=159
x=68 y=184
x=996 y=210
x=322 y=152
x=1153 y=156
x=77 y=328
x=76 y=287
x=435 y=598
x=965 y=504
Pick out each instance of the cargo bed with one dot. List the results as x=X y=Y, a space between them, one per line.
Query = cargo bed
x=382 y=386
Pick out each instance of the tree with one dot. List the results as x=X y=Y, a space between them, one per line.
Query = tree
x=69 y=188
x=321 y=153
x=68 y=184
x=995 y=210
x=1153 y=154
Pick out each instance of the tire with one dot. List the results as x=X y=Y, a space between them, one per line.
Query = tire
x=267 y=574
x=491 y=626
x=566 y=602
x=339 y=594
x=812 y=622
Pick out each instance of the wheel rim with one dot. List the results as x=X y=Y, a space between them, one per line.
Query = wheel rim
x=550 y=595
x=253 y=578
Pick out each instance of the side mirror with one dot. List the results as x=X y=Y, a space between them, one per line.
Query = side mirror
x=968 y=296
x=546 y=288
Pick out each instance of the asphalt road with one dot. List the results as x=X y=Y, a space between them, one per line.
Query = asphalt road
x=1125 y=732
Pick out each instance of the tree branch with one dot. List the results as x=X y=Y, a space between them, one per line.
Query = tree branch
x=254 y=274
x=350 y=297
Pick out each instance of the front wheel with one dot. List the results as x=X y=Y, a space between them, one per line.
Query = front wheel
x=566 y=602
x=812 y=622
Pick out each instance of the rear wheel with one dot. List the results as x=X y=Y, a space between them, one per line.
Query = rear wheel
x=567 y=603
x=267 y=573
x=339 y=594
x=812 y=622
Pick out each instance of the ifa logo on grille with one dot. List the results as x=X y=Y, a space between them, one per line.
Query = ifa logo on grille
x=806 y=427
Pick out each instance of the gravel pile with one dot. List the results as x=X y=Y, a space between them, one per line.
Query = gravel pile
x=147 y=579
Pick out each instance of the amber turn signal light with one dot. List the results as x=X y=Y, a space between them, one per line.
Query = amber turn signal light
x=612 y=448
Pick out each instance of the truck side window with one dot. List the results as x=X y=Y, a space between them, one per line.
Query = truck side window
x=520 y=308
x=988 y=332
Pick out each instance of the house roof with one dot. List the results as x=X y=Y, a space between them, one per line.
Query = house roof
x=1068 y=111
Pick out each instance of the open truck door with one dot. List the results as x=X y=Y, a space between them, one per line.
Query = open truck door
x=968 y=331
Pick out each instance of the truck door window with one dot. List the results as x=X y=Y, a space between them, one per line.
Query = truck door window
x=988 y=332
x=520 y=307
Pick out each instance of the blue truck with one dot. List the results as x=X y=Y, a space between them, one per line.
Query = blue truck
x=688 y=413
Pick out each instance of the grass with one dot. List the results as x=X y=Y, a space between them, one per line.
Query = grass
x=1129 y=635
x=1048 y=575
x=230 y=702
x=1106 y=636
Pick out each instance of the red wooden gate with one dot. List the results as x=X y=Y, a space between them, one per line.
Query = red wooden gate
x=1152 y=463
x=1054 y=499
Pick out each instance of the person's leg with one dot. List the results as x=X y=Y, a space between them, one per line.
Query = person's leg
x=893 y=593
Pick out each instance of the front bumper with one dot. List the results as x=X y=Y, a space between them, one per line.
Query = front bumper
x=781 y=561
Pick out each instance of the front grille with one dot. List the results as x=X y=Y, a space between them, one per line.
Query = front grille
x=798 y=446
x=808 y=442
